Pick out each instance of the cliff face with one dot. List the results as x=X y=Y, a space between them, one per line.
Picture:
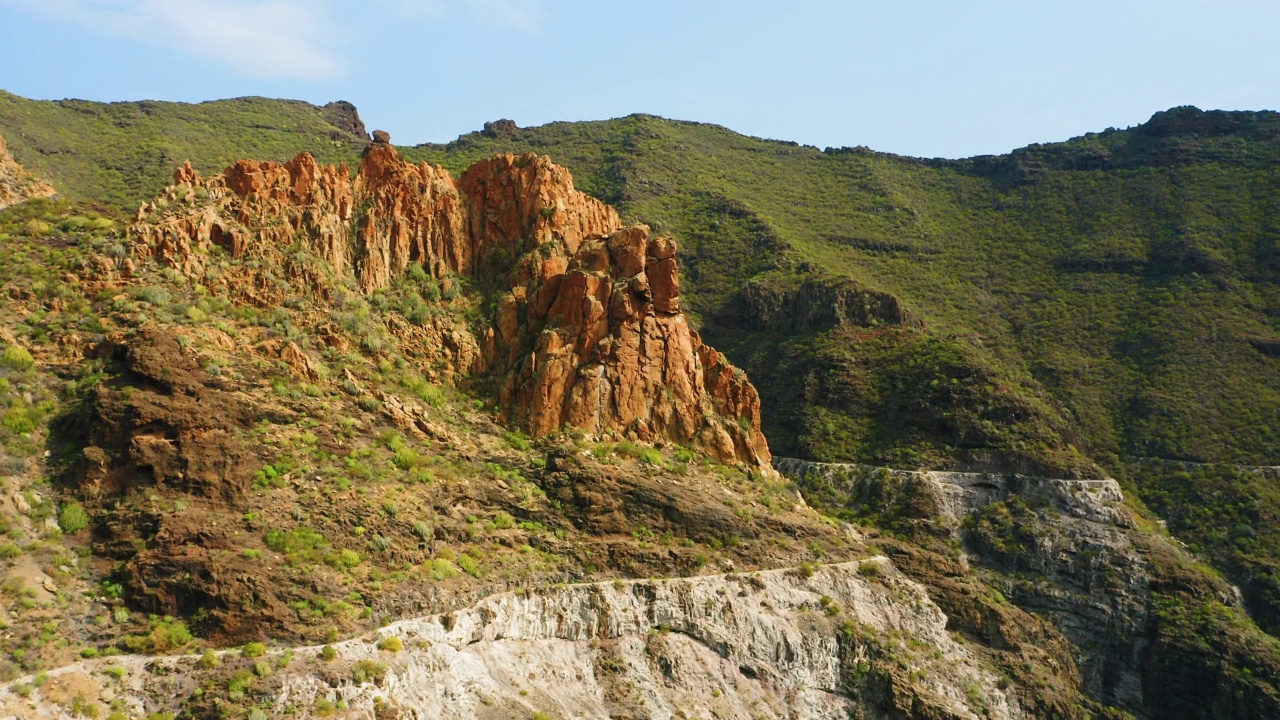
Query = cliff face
x=16 y=184
x=1072 y=553
x=587 y=330
x=753 y=645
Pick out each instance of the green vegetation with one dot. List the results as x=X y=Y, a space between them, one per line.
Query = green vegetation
x=368 y=671
x=121 y=153
x=16 y=357
x=1107 y=300
x=1229 y=515
x=1110 y=294
x=72 y=518
x=166 y=634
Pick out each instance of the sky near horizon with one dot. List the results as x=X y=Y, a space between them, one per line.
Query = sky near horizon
x=930 y=78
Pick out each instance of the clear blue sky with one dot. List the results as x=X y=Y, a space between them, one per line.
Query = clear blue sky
x=947 y=78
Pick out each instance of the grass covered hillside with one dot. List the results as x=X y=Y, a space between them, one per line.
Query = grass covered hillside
x=120 y=153
x=1119 y=289
x=1107 y=298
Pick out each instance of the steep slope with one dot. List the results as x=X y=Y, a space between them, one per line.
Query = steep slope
x=1094 y=277
x=16 y=184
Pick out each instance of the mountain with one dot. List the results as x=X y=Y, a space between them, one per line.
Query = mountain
x=271 y=402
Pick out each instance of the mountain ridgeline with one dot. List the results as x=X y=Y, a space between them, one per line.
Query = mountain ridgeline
x=309 y=384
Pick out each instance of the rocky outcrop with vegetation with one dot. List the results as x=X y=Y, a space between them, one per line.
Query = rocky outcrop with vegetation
x=16 y=184
x=587 y=330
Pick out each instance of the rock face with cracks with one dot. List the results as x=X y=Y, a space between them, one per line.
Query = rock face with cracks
x=587 y=331
x=771 y=644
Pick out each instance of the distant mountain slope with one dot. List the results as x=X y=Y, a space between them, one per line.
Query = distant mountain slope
x=1121 y=286
x=121 y=153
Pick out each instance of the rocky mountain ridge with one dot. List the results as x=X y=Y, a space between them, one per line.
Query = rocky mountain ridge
x=587 y=330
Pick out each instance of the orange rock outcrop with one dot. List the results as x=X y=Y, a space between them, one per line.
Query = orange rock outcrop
x=588 y=331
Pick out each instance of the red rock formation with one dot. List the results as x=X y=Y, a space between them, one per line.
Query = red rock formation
x=590 y=333
x=599 y=343
x=16 y=184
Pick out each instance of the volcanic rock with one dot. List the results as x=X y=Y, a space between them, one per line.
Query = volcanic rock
x=587 y=331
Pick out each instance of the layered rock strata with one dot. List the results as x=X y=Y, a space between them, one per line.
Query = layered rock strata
x=838 y=643
x=588 y=330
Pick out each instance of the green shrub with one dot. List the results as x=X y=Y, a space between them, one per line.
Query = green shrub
x=344 y=559
x=406 y=459
x=442 y=569
x=36 y=228
x=253 y=650
x=421 y=475
x=209 y=660
x=470 y=566
x=168 y=634
x=17 y=357
x=301 y=545
x=328 y=654
x=74 y=223
x=368 y=671
x=391 y=644
x=238 y=683
x=516 y=440
x=153 y=295
x=19 y=420
x=652 y=456
x=72 y=518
